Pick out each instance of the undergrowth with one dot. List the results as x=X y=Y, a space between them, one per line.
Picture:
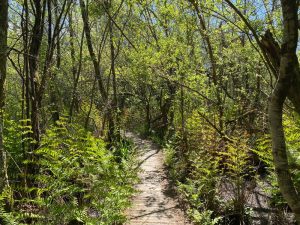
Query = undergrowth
x=79 y=181
x=215 y=176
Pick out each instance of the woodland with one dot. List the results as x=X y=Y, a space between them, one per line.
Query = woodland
x=216 y=83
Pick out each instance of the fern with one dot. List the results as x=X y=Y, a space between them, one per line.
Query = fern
x=79 y=179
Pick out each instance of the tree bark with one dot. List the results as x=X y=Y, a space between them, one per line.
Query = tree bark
x=87 y=120
x=26 y=81
x=97 y=70
x=96 y=65
x=75 y=70
x=287 y=80
x=114 y=132
x=34 y=50
x=3 y=60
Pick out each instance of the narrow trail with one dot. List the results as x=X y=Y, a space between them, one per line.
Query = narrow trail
x=154 y=203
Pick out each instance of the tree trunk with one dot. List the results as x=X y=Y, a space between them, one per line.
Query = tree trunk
x=3 y=59
x=148 y=116
x=53 y=89
x=167 y=111
x=34 y=49
x=287 y=80
x=114 y=133
x=96 y=65
x=209 y=49
x=76 y=70
x=184 y=140
x=87 y=120
x=98 y=76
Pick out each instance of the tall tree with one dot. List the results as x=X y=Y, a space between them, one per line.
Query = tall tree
x=114 y=129
x=287 y=85
x=76 y=69
x=3 y=59
x=98 y=75
x=34 y=51
x=283 y=62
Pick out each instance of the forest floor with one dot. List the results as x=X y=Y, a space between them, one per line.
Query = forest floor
x=155 y=202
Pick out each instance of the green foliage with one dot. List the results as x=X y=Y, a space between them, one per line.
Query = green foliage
x=197 y=173
x=189 y=68
x=264 y=151
x=7 y=218
x=238 y=169
x=199 y=190
x=15 y=138
x=292 y=132
x=204 y=217
x=212 y=174
x=79 y=179
x=80 y=176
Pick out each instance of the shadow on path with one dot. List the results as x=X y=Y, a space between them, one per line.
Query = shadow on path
x=154 y=203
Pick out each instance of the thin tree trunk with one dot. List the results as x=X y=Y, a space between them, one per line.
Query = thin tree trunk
x=26 y=135
x=87 y=120
x=53 y=88
x=34 y=49
x=76 y=71
x=96 y=65
x=148 y=115
x=210 y=52
x=53 y=99
x=3 y=60
x=182 y=114
x=114 y=132
x=46 y=73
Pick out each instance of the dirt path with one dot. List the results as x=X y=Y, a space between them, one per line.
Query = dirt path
x=154 y=203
